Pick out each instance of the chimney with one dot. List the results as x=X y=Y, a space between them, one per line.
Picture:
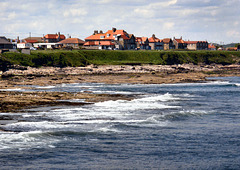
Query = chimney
x=181 y=37
x=114 y=29
x=44 y=39
x=95 y=32
x=58 y=36
x=17 y=38
x=101 y=32
x=153 y=36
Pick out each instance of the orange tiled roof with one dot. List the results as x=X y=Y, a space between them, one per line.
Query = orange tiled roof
x=109 y=35
x=211 y=46
x=154 y=39
x=141 y=39
x=72 y=41
x=194 y=42
x=179 y=41
x=54 y=36
x=166 y=40
x=191 y=42
x=232 y=48
x=30 y=41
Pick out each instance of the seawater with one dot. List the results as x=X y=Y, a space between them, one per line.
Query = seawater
x=177 y=126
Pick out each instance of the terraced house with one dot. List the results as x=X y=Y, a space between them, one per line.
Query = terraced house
x=179 y=43
x=112 y=39
x=142 y=43
x=53 y=38
x=155 y=43
x=197 y=45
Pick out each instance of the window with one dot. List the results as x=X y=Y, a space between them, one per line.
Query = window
x=102 y=37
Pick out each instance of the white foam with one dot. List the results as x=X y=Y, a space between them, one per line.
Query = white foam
x=25 y=140
x=45 y=87
x=17 y=89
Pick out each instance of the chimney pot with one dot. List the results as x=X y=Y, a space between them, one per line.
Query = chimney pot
x=114 y=29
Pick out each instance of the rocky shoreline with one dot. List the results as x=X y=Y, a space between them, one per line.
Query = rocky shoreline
x=14 y=101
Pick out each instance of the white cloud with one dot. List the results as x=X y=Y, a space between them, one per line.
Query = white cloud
x=206 y=19
x=74 y=12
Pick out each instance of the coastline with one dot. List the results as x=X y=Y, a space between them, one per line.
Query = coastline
x=14 y=101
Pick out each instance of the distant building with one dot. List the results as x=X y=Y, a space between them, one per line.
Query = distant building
x=232 y=49
x=53 y=38
x=179 y=43
x=168 y=44
x=142 y=43
x=155 y=43
x=197 y=45
x=71 y=42
x=5 y=44
x=33 y=40
x=212 y=47
x=24 y=45
x=114 y=38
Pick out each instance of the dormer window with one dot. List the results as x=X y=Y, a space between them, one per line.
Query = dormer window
x=102 y=37
x=108 y=35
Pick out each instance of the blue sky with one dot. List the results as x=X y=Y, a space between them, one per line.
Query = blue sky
x=212 y=20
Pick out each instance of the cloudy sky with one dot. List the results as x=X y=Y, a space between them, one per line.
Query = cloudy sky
x=212 y=20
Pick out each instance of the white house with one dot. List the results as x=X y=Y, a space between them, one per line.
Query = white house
x=46 y=45
x=23 y=45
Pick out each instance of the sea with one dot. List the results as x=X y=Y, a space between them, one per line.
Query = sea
x=167 y=126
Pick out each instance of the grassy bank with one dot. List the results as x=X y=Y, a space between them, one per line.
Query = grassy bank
x=77 y=58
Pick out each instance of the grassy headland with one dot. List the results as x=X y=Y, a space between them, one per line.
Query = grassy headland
x=78 y=58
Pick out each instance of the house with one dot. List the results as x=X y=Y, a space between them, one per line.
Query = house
x=179 y=43
x=5 y=44
x=197 y=45
x=33 y=40
x=100 y=45
x=46 y=45
x=120 y=38
x=142 y=43
x=155 y=43
x=72 y=42
x=232 y=49
x=168 y=44
x=53 y=38
x=24 y=45
x=212 y=47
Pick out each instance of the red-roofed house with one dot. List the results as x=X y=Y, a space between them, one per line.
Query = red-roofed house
x=197 y=45
x=72 y=42
x=120 y=38
x=179 y=43
x=53 y=38
x=212 y=47
x=168 y=44
x=142 y=43
x=155 y=43
x=231 y=49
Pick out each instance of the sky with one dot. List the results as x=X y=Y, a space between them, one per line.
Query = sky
x=212 y=20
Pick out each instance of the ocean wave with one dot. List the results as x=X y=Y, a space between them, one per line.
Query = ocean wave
x=184 y=114
x=25 y=140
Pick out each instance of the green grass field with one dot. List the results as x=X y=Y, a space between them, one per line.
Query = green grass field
x=76 y=58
